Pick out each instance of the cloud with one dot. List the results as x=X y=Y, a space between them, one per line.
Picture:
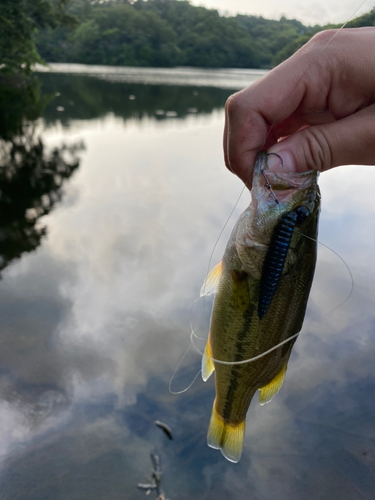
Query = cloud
x=331 y=11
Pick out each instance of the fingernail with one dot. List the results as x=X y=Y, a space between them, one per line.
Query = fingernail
x=279 y=161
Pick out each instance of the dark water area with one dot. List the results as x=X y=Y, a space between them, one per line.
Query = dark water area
x=87 y=98
x=113 y=194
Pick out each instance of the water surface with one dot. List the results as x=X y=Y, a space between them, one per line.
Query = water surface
x=95 y=311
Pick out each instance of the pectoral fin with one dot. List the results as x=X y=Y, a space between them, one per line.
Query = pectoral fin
x=211 y=282
x=270 y=390
x=226 y=437
x=207 y=364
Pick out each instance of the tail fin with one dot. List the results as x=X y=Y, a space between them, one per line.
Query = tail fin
x=226 y=437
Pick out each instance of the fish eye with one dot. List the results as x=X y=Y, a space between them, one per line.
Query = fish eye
x=302 y=214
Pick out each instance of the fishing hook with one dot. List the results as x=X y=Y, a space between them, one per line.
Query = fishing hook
x=269 y=187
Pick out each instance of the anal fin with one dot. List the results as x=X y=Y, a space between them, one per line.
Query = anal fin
x=270 y=390
x=207 y=364
x=212 y=280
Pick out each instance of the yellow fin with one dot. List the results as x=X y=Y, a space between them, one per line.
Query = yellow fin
x=270 y=390
x=207 y=364
x=211 y=282
x=226 y=437
x=215 y=430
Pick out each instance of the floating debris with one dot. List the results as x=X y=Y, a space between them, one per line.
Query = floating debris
x=167 y=430
x=156 y=475
x=147 y=487
x=171 y=114
x=160 y=112
x=131 y=97
x=60 y=108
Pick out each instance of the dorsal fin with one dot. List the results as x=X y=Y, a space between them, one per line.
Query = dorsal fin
x=211 y=282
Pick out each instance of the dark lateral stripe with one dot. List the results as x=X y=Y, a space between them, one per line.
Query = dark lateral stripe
x=233 y=381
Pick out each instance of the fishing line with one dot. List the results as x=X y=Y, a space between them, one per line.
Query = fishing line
x=244 y=361
x=193 y=334
x=259 y=356
x=210 y=260
x=346 y=266
x=268 y=134
x=268 y=185
x=299 y=80
x=270 y=130
x=175 y=371
x=191 y=320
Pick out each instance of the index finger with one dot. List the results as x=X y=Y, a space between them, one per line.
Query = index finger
x=252 y=113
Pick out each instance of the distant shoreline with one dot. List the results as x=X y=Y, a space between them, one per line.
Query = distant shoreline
x=233 y=78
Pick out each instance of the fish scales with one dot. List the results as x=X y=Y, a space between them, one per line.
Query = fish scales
x=237 y=333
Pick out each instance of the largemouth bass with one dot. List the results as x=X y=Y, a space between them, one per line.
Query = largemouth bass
x=261 y=290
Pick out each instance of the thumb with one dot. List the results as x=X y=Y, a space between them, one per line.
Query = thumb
x=350 y=140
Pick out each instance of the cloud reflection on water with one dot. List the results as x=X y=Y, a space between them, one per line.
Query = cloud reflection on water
x=94 y=323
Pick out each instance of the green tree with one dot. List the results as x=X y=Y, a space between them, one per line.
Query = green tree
x=19 y=20
x=118 y=34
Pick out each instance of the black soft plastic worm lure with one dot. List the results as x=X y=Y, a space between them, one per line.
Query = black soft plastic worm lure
x=276 y=256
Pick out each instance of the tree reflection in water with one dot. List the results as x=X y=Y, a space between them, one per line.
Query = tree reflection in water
x=31 y=178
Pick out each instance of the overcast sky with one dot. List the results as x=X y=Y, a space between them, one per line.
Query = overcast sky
x=310 y=12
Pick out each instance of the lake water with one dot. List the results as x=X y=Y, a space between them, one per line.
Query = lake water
x=95 y=314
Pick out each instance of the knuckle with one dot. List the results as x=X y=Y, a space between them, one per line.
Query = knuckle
x=316 y=46
x=317 y=150
x=232 y=104
x=323 y=37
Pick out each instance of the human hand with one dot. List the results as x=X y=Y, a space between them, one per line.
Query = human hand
x=316 y=110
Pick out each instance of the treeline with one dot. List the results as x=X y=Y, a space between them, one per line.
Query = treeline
x=144 y=33
x=292 y=46
x=173 y=33
x=166 y=33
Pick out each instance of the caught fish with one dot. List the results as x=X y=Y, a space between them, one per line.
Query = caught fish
x=261 y=290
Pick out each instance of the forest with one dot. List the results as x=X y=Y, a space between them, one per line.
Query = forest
x=158 y=33
x=167 y=33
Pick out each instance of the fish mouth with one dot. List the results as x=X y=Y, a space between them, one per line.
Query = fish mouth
x=274 y=194
x=279 y=187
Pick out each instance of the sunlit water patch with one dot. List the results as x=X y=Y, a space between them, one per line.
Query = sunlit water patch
x=221 y=78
